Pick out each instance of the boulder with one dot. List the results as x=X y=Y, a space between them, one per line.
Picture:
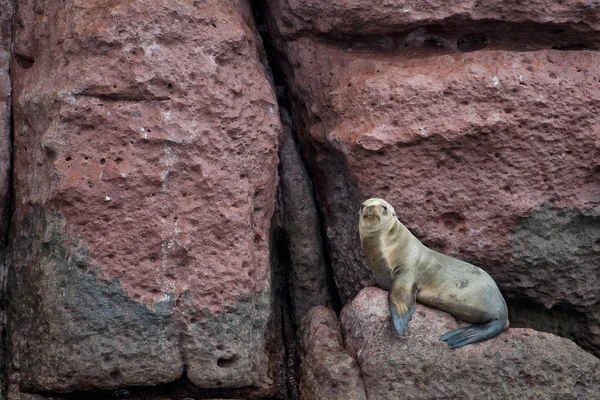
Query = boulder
x=327 y=370
x=146 y=138
x=519 y=363
x=491 y=156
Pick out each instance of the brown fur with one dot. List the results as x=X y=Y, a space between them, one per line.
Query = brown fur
x=411 y=271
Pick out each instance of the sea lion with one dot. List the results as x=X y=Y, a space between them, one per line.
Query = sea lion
x=411 y=271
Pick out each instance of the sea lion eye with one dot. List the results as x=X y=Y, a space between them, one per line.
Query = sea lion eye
x=384 y=207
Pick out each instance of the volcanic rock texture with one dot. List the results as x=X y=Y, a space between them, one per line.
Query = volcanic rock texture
x=478 y=121
x=144 y=255
x=520 y=363
x=6 y=12
x=146 y=137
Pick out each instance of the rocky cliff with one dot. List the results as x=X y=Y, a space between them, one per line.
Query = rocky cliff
x=179 y=184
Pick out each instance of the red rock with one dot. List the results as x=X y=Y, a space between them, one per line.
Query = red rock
x=380 y=17
x=327 y=371
x=146 y=142
x=489 y=156
x=520 y=363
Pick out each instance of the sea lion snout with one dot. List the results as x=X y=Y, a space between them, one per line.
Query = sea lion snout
x=376 y=209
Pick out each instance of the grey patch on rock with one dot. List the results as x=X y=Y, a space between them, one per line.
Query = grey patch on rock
x=70 y=330
x=559 y=266
x=555 y=250
x=226 y=349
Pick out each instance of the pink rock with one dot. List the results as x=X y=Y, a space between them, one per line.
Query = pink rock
x=380 y=17
x=520 y=363
x=146 y=139
x=327 y=371
x=490 y=156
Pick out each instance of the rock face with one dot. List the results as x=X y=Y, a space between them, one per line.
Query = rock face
x=146 y=140
x=327 y=370
x=482 y=136
x=308 y=280
x=520 y=363
x=380 y=17
x=6 y=12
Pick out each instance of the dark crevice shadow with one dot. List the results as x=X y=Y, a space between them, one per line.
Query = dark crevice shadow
x=285 y=104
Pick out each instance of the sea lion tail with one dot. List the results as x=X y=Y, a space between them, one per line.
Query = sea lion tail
x=473 y=334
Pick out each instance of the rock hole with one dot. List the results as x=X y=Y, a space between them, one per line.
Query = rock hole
x=24 y=61
x=118 y=160
x=227 y=362
x=115 y=374
x=596 y=245
x=68 y=159
x=102 y=161
x=452 y=220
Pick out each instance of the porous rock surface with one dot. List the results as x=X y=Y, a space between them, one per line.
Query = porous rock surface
x=308 y=280
x=355 y=18
x=519 y=363
x=6 y=12
x=327 y=370
x=488 y=150
x=146 y=138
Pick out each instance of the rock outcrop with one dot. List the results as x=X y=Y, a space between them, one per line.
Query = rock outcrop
x=482 y=136
x=165 y=235
x=327 y=370
x=520 y=363
x=300 y=221
x=146 y=138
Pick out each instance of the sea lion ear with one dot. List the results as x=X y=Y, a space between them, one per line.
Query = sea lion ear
x=393 y=213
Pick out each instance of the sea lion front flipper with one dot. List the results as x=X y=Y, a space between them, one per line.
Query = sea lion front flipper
x=472 y=334
x=401 y=300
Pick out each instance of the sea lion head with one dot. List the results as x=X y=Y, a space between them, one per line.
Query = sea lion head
x=376 y=214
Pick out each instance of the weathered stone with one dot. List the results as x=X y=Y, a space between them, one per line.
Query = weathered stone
x=365 y=18
x=146 y=138
x=480 y=153
x=520 y=363
x=327 y=371
x=6 y=12
x=301 y=223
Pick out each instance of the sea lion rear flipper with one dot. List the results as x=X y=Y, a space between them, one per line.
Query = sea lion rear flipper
x=401 y=300
x=472 y=334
